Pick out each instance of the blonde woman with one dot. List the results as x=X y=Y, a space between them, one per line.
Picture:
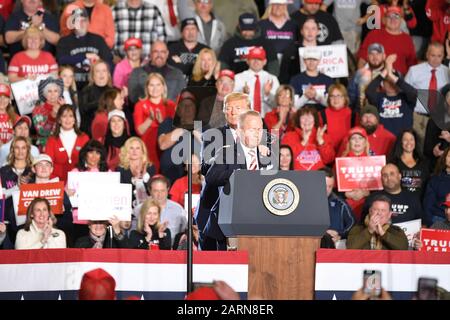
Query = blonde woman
x=38 y=231
x=134 y=167
x=206 y=69
x=33 y=61
x=150 y=232
x=150 y=112
x=99 y=81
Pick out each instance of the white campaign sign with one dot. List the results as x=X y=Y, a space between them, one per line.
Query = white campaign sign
x=333 y=62
x=26 y=94
x=410 y=228
x=103 y=201
x=75 y=178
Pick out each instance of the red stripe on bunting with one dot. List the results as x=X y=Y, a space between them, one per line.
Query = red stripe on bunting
x=120 y=255
x=381 y=256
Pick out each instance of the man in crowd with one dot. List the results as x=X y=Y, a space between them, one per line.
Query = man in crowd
x=158 y=63
x=234 y=50
x=376 y=232
x=183 y=53
x=224 y=86
x=137 y=19
x=430 y=75
x=30 y=14
x=405 y=206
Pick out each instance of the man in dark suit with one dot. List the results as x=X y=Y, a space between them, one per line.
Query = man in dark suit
x=245 y=155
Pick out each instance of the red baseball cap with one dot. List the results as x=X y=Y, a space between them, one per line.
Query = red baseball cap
x=357 y=130
x=132 y=42
x=313 y=1
x=394 y=9
x=256 y=53
x=22 y=119
x=203 y=293
x=5 y=90
x=226 y=73
x=97 y=284
x=447 y=200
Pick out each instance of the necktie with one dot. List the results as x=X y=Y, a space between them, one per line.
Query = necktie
x=253 y=160
x=432 y=89
x=257 y=95
x=173 y=17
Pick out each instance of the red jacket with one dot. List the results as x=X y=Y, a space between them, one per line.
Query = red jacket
x=180 y=187
x=339 y=122
x=61 y=162
x=312 y=156
x=99 y=126
x=439 y=13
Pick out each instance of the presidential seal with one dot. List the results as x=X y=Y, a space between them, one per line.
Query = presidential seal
x=281 y=197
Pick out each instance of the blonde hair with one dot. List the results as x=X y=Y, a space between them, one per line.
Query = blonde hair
x=236 y=96
x=32 y=30
x=91 y=72
x=68 y=67
x=163 y=81
x=125 y=161
x=347 y=147
x=268 y=12
x=149 y=203
x=197 y=72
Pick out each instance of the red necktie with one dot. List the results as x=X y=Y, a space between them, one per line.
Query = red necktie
x=432 y=90
x=173 y=17
x=257 y=95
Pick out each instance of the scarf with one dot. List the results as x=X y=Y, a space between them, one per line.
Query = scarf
x=375 y=240
x=98 y=241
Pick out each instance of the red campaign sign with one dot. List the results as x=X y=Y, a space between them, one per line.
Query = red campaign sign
x=435 y=240
x=53 y=192
x=359 y=173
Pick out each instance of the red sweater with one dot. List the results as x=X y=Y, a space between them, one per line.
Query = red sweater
x=180 y=187
x=339 y=122
x=400 y=44
x=311 y=156
x=150 y=137
x=438 y=11
x=99 y=126
x=62 y=164
x=271 y=119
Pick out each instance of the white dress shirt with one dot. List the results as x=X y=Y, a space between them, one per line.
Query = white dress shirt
x=248 y=77
x=419 y=77
x=248 y=157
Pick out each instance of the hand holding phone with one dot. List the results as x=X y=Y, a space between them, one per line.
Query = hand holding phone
x=427 y=289
x=372 y=283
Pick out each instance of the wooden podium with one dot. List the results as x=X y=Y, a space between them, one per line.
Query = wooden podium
x=280 y=268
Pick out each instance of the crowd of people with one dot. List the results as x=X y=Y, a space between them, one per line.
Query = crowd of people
x=112 y=77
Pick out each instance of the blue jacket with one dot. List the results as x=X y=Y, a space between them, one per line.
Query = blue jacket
x=341 y=215
x=438 y=187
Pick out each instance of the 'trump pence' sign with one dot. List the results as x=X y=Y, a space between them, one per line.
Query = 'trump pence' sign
x=333 y=62
x=103 y=201
x=435 y=240
x=359 y=173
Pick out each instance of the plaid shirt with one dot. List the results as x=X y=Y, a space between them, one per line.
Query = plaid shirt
x=145 y=23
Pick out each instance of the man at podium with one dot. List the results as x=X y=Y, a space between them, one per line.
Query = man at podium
x=244 y=155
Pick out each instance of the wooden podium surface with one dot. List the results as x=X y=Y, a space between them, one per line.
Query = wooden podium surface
x=280 y=268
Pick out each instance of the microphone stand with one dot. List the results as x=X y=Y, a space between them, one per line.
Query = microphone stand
x=190 y=261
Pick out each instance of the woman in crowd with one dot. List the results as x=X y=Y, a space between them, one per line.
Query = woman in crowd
x=180 y=186
x=33 y=61
x=338 y=116
x=99 y=82
x=110 y=100
x=415 y=169
x=70 y=94
x=437 y=189
x=280 y=118
x=133 y=59
x=44 y=114
x=38 y=231
x=116 y=135
x=99 y=237
x=134 y=167
x=15 y=172
x=357 y=146
x=66 y=142
x=150 y=112
x=286 y=158
x=310 y=144
x=7 y=114
x=206 y=69
x=150 y=231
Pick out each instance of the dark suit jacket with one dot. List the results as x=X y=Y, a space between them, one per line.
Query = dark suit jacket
x=218 y=177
